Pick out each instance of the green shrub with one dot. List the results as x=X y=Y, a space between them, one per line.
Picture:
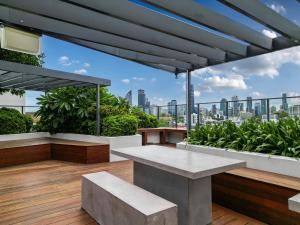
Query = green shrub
x=13 y=122
x=119 y=125
x=144 y=120
x=282 y=138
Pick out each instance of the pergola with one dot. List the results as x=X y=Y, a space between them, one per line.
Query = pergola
x=32 y=78
x=151 y=37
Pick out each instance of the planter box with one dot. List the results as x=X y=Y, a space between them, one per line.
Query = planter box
x=114 y=142
x=24 y=136
x=270 y=163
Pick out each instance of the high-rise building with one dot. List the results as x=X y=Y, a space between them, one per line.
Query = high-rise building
x=249 y=104
x=263 y=106
x=128 y=97
x=235 y=105
x=285 y=105
x=172 y=107
x=141 y=98
x=241 y=107
x=223 y=106
x=192 y=99
x=257 y=109
x=214 y=109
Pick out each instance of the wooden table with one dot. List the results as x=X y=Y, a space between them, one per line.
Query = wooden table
x=182 y=177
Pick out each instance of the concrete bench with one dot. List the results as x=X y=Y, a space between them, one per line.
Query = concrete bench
x=112 y=201
x=294 y=203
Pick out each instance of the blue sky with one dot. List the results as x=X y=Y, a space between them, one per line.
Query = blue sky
x=263 y=76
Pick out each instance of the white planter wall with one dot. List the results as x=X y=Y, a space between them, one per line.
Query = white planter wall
x=15 y=137
x=114 y=142
x=270 y=163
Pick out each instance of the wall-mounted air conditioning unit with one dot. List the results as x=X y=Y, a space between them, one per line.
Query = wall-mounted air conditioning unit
x=20 y=41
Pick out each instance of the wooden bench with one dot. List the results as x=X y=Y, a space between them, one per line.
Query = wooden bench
x=258 y=194
x=163 y=133
x=39 y=149
x=112 y=201
x=294 y=203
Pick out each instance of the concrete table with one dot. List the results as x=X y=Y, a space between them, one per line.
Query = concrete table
x=180 y=176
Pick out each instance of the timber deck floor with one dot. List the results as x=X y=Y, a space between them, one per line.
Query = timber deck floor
x=48 y=192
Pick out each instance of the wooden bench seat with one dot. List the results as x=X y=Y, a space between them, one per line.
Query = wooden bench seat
x=113 y=201
x=39 y=149
x=259 y=194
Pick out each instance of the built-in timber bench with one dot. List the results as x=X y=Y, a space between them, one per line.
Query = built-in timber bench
x=259 y=194
x=113 y=201
x=166 y=134
x=38 y=149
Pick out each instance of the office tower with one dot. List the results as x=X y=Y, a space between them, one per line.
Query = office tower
x=241 y=106
x=128 y=97
x=172 y=107
x=249 y=104
x=193 y=99
x=263 y=106
x=285 y=105
x=257 y=109
x=223 y=106
x=273 y=109
x=235 y=105
x=214 y=109
x=147 y=103
x=141 y=98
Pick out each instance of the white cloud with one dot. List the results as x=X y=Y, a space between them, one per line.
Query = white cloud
x=269 y=33
x=232 y=81
x=64 y=60
x=81 y=71
x=138 y=78
x=278 y=8
x=86 y=65
x=126 y=81
x=256 y=94
x=197 y=93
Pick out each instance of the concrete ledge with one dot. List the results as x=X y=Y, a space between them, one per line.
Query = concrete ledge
x=24 y=136
x=112 y=201
x=294 y=203
x=270 y=163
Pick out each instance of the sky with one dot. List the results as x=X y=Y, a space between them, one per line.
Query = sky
x=267 y=75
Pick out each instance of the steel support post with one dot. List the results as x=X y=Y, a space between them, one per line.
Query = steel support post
x=188 y=100
x=98 y=110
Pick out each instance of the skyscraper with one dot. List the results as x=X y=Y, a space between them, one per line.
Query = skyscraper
x=193 y=99
x=141 y=98
x=285 y=105
x=223 y=106
x=128 y=96
x=172 y=107
x=235 y=105
x=249 y=104
x=214 y=109
x=263 y=106
x=257 y=109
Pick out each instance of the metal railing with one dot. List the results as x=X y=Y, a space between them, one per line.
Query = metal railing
x=22 y=109
x=267 y=109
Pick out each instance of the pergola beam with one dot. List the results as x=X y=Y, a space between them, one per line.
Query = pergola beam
x=196 y=12
x=265 y=15
x=140 y=15
x=89 y=20
x=131 y=55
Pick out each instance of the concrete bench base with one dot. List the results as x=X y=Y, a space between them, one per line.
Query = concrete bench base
x=112 y=201
x=294 y=203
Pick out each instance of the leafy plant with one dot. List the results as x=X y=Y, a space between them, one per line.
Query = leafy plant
x=144 y=120
x=119 y=125
x=13 y=122
x=282 y=138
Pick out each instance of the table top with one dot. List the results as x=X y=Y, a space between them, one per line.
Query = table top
x=185 y=163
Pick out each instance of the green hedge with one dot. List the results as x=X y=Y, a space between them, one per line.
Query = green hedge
x=281 y=138
x=144 y=120
x=13 y=122
x=119 y=125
